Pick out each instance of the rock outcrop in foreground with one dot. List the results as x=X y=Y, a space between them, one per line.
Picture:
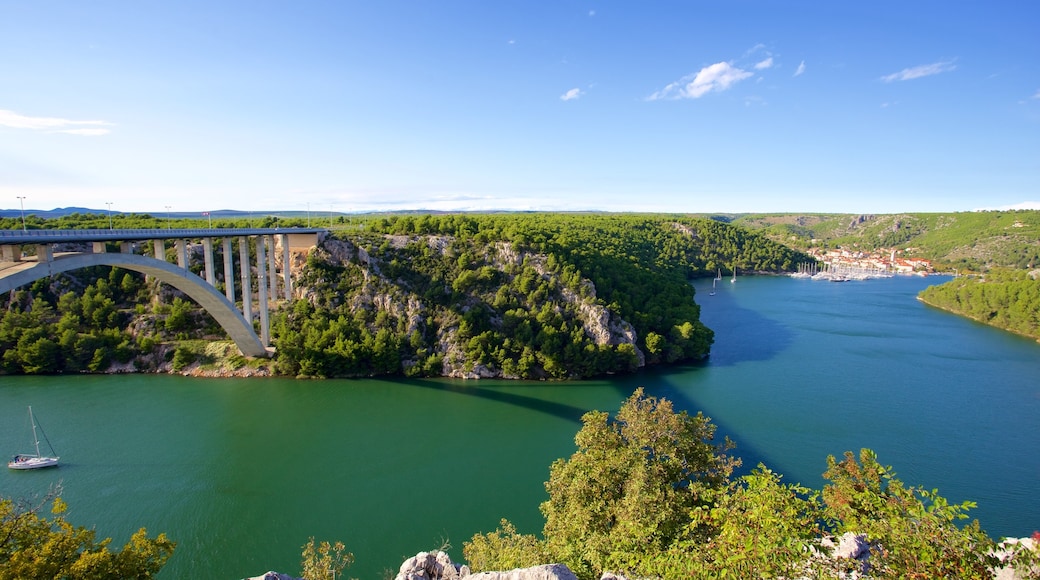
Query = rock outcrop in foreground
x=437 y=565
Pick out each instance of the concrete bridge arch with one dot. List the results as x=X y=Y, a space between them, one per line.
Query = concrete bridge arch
x=222 y=309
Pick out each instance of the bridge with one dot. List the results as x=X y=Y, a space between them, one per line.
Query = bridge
x=58 y=251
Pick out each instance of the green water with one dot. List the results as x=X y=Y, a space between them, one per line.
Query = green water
x=241 y=472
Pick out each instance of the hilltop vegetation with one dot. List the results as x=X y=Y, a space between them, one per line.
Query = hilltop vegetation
x=495 y=295
x=1007 y=299
x=964 y=240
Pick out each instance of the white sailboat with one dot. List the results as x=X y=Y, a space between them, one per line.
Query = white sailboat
x=712 y=293
x=734 y=278
x=37 y=460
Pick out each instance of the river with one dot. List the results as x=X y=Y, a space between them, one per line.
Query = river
x=240 y=472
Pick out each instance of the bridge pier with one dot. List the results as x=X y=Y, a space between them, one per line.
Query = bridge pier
x=44 y=253
x=182 y=252
x=207 y=254
x=229 y=266
x=247 y=284
x=261 y=283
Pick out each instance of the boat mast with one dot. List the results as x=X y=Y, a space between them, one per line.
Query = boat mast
x=36 y=440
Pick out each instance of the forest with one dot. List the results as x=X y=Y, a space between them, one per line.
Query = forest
x=532 y=296
x=1004 y=298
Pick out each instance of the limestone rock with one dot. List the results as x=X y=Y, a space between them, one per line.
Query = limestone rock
x=431 y=566
x=273 y=576
x=1005 y=552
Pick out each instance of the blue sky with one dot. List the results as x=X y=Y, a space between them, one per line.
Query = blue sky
x=736 y=106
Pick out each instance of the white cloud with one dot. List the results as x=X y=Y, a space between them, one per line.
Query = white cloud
x=717 y=77
x=767 y=63
x=51 y=124
x=592 y=12
x=1037 y=95
x=571 y=95
x=801 y=69
x=917 y=72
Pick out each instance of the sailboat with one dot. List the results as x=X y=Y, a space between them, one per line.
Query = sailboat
x=734 y=278
x=719 y=275
x=712 y=293
x=37 y=460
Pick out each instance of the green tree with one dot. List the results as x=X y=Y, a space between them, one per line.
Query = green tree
x=504 y=549
x=913 y=529
x=630 y=487
x=324 y=561
x=32 y=546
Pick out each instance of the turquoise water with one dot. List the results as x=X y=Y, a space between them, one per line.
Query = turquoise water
x=241 y=472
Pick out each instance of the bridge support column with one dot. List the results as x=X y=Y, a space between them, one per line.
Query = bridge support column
x=44 y=253
x=261 y=282
x=207 y=253
x=247 y=285
x=229 y=267
x=286 y=272
x=272 y=277
x=11 y=253
x=182 y=253
x=126 y=247
x=99 y=247
x=159 y=250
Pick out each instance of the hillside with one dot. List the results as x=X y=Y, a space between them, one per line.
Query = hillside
x=515 y=296
x=1006 y=299
x=536 y=296
x=964 y=240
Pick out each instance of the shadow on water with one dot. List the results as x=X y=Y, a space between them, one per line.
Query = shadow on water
x=741 y=334
x=657 y=381
x=472 y=389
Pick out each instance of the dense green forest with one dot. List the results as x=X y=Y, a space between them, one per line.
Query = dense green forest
x=964 y=240
x=474 y=295
x=1007 y=299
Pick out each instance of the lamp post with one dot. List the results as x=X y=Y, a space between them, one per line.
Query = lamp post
x=109 y=204
x=167 y=217
x=21 y=200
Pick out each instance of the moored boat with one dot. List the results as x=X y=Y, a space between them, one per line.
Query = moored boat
x=34 y=460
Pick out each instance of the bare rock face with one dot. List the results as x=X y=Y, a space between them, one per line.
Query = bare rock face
x=438 y=566
x=1010 y=569
x=431 y=566
x=273 y=576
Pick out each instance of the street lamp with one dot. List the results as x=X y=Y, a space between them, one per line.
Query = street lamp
x=167 y=217
x=21 y=200
x=109 y=204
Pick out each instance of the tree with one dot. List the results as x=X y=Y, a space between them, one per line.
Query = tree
x=324 y=561
x=32 y=546
x=630 y=487
x=912 y=529
x=504 y=549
